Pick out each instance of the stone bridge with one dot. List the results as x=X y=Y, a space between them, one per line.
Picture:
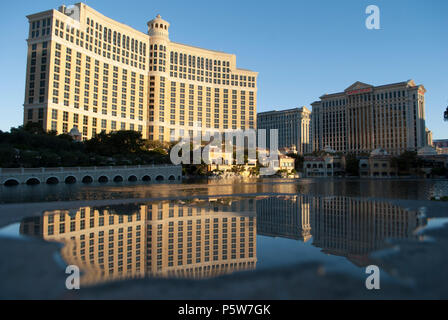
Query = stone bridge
x=147 y=173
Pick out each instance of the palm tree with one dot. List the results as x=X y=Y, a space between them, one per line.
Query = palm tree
x=445 y=114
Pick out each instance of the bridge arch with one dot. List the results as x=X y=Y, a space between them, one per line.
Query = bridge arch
x=11 y=182
x=118 y=178
x=87 y=179
x=70 y=180
x=52 y=180
x=32 y=181
x=147 y=174
x=103 y=179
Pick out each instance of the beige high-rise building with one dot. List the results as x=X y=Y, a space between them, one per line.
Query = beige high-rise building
x=293 y=127
x=429 y=141
x=88 y=71
x=364 y=118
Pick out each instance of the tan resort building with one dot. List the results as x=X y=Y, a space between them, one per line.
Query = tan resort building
x=363 y=118
x=293 y=127
x=90 y=72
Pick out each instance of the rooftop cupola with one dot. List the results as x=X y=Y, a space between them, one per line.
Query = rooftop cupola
x=158 y=28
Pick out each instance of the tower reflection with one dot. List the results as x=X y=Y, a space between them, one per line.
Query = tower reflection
x=202 y=239
x=285 y=217
x=199 y=239
x=341 y=226
x=355 y=228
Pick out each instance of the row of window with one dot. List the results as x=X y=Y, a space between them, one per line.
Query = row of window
x=367 y=97
x=33 y=73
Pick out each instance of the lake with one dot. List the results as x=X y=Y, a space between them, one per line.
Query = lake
x=186 y=239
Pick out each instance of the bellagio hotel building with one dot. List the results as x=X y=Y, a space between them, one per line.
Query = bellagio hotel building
x=89 y=72
x=365 y=117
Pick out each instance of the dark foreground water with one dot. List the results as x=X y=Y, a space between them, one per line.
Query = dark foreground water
x=266 y=239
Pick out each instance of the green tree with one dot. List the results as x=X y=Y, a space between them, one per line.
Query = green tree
x=33 y=127
x=298 y=163
x=352 y=165
x=30 y=146
x=439 y=172
x=117 y=142
x=156 y=144
x=405 y=162
x=255 y=171
x=237 y=168
x=8 y=156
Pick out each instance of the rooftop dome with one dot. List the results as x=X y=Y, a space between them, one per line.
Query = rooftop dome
x=427 y=151
x=379 y=152
x=158 y=28
x=74 y=132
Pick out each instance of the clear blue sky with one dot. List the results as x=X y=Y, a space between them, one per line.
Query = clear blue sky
x=301 y=49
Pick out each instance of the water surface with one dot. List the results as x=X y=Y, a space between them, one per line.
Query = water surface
x=200 y=239
x=413 y=189
x=324 y=232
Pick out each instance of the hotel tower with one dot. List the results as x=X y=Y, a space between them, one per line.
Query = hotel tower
x=89 y=72
x=293 y=127
x=364 y=118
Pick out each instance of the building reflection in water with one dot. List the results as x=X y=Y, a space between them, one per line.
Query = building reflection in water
x=199 y=239
x=354 y=228
x=202 y=239
x=341 y=226
x=285 y=217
